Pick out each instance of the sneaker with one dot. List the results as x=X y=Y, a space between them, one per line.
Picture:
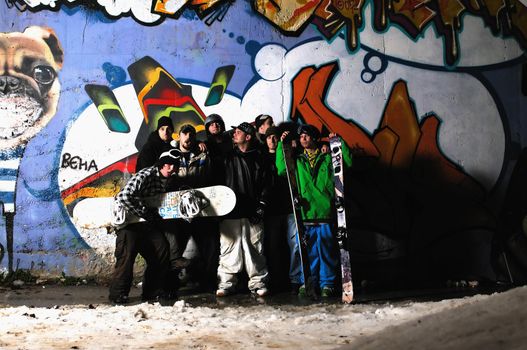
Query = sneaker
x=223 y=292
x=120 y=300
x=302 y=291
x=328 y=292
x=261 y=292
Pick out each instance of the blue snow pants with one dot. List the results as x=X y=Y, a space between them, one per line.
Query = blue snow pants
x=323 y=254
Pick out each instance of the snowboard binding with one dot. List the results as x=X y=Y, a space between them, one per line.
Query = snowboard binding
x=191 y=204
x=118 y=213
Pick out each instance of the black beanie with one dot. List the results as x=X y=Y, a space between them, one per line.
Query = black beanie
x=164 y=121
x=308 y=129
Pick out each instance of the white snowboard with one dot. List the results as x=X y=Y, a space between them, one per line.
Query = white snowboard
x=100 y=212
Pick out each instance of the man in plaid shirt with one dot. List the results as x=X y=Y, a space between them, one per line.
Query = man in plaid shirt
x=145 y=238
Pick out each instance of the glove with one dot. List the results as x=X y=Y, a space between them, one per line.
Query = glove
x=258 y=215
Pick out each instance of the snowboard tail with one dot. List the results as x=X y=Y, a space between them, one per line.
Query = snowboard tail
x=335 y=145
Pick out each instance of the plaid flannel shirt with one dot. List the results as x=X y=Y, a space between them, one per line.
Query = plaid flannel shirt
x=145 y=183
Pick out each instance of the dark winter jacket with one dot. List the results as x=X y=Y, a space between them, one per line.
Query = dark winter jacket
x=261 y=143
x=279 y=195
x=151 y=151
x=194 y=170
x=219 y=149
x=247 y=174
x=145 y=183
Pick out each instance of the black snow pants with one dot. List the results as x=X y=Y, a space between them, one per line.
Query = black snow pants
x=144 y=239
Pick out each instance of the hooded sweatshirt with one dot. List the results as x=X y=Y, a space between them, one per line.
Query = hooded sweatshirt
x=151 y=151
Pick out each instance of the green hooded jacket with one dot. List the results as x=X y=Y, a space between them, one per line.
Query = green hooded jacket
x=315 y=185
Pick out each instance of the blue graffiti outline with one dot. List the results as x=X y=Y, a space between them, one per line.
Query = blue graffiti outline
x=506 y=129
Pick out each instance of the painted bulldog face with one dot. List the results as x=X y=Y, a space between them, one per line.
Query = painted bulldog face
x=29 y=85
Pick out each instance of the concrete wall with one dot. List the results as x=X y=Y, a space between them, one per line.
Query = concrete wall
x=430 y=98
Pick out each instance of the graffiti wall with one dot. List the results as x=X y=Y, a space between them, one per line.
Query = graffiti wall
x=429 y=95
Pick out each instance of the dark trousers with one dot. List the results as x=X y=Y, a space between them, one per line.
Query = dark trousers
x=276 y=250
x=205 y=232
x=140 y=238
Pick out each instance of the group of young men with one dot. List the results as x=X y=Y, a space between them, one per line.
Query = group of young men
x=249 y=241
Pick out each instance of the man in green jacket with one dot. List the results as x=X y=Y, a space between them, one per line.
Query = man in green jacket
x=314 y=172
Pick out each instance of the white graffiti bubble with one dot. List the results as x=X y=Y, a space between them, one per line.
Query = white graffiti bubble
x=35 y=3
x=140 y=9
x=268 y=63
x=111 y=146
x=116 y=7
x=266 y=60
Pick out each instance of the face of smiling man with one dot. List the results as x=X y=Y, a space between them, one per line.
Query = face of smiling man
x=186 y=141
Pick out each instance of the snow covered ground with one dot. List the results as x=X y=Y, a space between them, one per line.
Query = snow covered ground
x=496 y=321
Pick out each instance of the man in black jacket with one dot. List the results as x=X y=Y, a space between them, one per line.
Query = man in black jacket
x=279 y=225
x=241 y=233
x=195 y=172
x=218 y=140
x=157 y=143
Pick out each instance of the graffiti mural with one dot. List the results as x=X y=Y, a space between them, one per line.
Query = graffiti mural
x=408 y=183
x=101 y=170
x=29 y=94
x=404 y=160
x=428 y=95
x=335 y=17
x=409 y=172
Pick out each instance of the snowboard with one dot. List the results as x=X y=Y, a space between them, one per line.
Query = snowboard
x=91 y=213
x=290 y=163
x=335 y=144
